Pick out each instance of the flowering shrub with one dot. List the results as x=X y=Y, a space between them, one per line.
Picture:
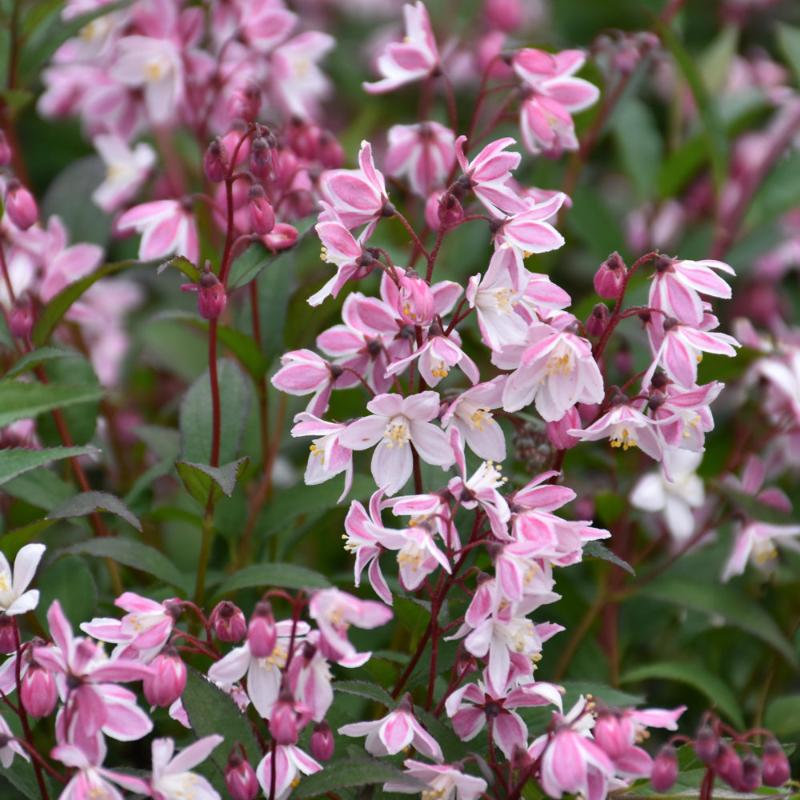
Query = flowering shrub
x=558 y=476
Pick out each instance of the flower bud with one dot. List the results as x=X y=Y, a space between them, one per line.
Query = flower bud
x=303 y=138
x=211 y=296
x=557 y=432
x=21 y=319
x=262 y=217
x=608 y=280
x=728 y=766
x=706 y=745
x=240 y=778
x=260 y=158
x=450 y=211
x=283 y=720
x=281 y=237
x=751 y=774
x=228 y=622
x=597 y=321
x=167 y=681
x=261 y=632
x=38 y=691
x=8 y=640
x=331 y=153
x=5 y=150
x=215 y=161
x=665 y=769
x=322 y=743
x=506 y=15
x=20 y=205
x=775 y=769
x=246 y=102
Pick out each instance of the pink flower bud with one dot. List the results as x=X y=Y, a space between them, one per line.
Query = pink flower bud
x=665 y=769
x=215 y=161
x=751 y=774
x=706 y=744
x=507 y=15
x=246 y=102
x=728 y=766
x=228 y=622
x=416 y=299
x=231 y=142
x=608 y=280
x=261 y=632
x=283 y=721
x=20 y=205
x=432 y=210
x=5 y=150
x=211 y=296
x=38 y=691
x=168 y=680
x=557 y=432
x=303 y=138
x=322 y=743
x=775 y=765
x=450 y=211
x=262 y=217
x=8 y=642
x=261 y=158
x=281 y=237
x=240 y=778
x=21 y=319
x=610 y=735
x=331 y=153
x=597 y=321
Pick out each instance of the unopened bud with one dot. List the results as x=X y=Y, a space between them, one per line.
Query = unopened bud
x=597 y=321
x=728 y=766
x=558 y=432
x=506 y=15
x=167 y=681
x=211 y=296
x=751 y=774
x=322 y=743
x=330 y=153
x=260 y=158
x=21 y=318
x=215 y=161
x=775 y=769
x=261 y=632
x=20 y=205
x=240 y=778
x=283 y=720
x=38 y=691
x=303 y=138
x=706 y=744
x=610 y=277
x=228 y=622
x=262 y=217
x=665 y=769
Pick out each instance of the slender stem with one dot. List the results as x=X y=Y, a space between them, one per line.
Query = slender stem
x=413 y=234
x=205 y=552
x=578 y=634
x=216 y=409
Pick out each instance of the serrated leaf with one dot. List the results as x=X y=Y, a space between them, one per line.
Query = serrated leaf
x=22 y=400
x=87 y=503
x=132 y=554
x=266 y=576
x=724 y=602
x=184 y=265
x=196 y=417
x=595 y=549
x=37 y=357
x=789 y=43
x=695 y=675
x=39 y=487
x=212 y=711
x=54 y=311
x=353 y=772
x=16 y=461
x=200 y=479
x=367 y=690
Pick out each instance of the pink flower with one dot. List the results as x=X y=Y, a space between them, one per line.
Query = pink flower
x=677 y=286
x=443 y=781
x=552 y=95
x=358 y=196
x=413 y=59
x=470 y=413
x=475 y=704
x=423 y=153
x=625 y=427
x=172 y=779
x=528 y=232
x=489 y=176
x=328 y=456
x=289 y=762
x=11 y=747
x=91 y=779
x=414 y=301
x=364 y=535
x=155 y=67
x=167 y=227
x=15 y=598
x=264 y=25
x=304 y=372
x=296 y=80
x=397 y=423
x=126 y=170
x=684 y=416
x=570 y=761
x=395 y=732
x=437 y=356
x=556 y=372
x=334 y=612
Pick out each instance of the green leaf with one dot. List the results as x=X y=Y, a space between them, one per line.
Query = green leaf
x=608 y=694
x=19 y=537
x=184 y=265
x=285 y=576
x=714 y=132
x=348 y=773
x=196 y=418
x=54 y=311
x=715 y=63
x=248 y=265
x=726 y=602
x=640 y=147
x=201 y=479
x=39 y=487
x=212 y=711
x=87 y=503
x=22 y=400
x=599 y=550
x=132 y=554
x=789 y=43
x=164 y=442
x=20 y=775
x=37 y=357
x=367 y=690
x=783 y=715
x=68 y=580
x=695 y=675
x=16 y=461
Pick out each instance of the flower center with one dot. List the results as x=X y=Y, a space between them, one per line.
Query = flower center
x=397 y=433
x=479 y=418
x=503 y=299
x=560 y=364
x=622 y=438
x=441 y=370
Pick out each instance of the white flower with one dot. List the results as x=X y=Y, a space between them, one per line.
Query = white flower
x=126 y=169
x=172 y=779
x=13 y=597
